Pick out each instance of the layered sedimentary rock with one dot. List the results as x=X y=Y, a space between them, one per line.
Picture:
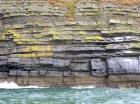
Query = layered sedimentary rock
x=70 y=42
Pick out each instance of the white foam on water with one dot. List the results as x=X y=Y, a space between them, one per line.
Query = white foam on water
x=83 y=87
x=12 y=85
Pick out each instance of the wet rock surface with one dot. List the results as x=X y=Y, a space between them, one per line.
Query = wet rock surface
x=75 y=38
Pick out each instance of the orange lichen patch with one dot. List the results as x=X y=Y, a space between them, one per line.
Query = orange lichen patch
x=123 y=2
x=69 y=4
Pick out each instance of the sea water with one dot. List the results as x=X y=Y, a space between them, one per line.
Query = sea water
x=10 y=93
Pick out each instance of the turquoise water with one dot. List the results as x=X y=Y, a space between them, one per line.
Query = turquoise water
x=70 y=96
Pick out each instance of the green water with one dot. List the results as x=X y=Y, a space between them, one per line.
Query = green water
x=70 y=96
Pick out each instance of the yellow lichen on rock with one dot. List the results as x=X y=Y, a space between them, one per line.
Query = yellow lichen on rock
x=71 y=11
x=13 y=33
x=32 y=51
x=93 y=38
x=69 y=4
x=59 y=35
x=90 y=37
x=36 y=51
x=38 y=48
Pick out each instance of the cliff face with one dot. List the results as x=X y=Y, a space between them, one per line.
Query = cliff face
x=69 y=42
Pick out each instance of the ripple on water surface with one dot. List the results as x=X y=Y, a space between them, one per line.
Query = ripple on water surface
x=75 y=95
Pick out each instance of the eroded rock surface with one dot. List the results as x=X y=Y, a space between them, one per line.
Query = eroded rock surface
x=69 y=38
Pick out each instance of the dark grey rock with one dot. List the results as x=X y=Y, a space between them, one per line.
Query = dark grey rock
x=24 y=73
x=19 y=72
x=98 y=67
x=13 y=72
x=80 y=66
x=26 y=61
x=123 y=65
x=34 y=73
x=4 y=74
x=1 y=15
x=43 y=72
x=45 y=60
x=61 y=62
x=14 y=60
x=67 y=73
x=3 y=62
x=54 y=74
x=77 y=48
x=3 y=57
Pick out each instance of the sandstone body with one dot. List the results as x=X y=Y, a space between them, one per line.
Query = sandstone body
x=70 y=42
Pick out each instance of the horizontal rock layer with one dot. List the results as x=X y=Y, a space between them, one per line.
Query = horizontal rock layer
x=79 y=38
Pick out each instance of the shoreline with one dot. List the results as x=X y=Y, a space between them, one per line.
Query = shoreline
x=113 y=81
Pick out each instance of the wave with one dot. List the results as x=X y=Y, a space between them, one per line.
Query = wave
x=12 y=85
x=83 y=87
